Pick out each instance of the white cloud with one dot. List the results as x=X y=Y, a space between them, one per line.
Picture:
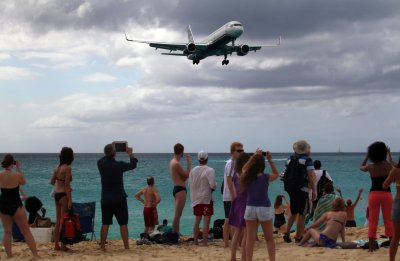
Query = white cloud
x=99 y=77
x=4 y=56
x=15 y=73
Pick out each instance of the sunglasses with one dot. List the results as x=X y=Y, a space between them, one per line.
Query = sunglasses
x=240 y=151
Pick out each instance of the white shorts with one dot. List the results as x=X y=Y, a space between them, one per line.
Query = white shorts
x=258 y=213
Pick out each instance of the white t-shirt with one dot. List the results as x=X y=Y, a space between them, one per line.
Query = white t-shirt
x=318 y=175
x=229 y=171
x=201 y=182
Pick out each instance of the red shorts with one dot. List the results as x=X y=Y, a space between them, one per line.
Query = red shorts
x=150 y=216
x=203 y=210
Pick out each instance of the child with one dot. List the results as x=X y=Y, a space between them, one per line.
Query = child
x=258 y=205
x=151 y=199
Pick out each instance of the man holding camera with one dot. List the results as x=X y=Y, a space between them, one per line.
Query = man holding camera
x=113 y=196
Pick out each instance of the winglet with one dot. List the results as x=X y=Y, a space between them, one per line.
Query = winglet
x=126 y=37
x=190 y=34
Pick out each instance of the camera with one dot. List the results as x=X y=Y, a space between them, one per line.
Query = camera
x=15 y=162
x=120 y=146
x=264 y=153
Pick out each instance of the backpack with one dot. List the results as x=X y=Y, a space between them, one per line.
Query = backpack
x=321 y=184
x=218 y=228
x=294 y=176
x=168 y=237
x=71 y=231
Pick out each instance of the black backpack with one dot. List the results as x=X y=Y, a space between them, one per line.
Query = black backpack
x=294 y=176
x=321 y=184
x=218 y=228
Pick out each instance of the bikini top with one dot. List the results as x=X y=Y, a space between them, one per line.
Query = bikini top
x=10 y=194
x=338 y=221
x=377 y=183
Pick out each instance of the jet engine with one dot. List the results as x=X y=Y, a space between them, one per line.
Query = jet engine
x=191 y=47
x=242 y=50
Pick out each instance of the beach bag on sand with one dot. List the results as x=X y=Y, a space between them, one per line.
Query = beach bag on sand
x=42 y=222
x=218 y=228
x=294 y=176
x=168 y=237
x=71 y=228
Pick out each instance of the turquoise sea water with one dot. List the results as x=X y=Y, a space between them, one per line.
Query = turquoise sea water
x=38 y=168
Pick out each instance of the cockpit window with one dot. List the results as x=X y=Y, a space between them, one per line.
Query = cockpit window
x=237 y=25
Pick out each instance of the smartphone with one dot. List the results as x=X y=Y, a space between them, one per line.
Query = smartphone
x=120 y=146
x=264 y=153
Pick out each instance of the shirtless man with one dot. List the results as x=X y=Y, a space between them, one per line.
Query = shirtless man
x=179 y=177
x=350 y=208
x=150 y=202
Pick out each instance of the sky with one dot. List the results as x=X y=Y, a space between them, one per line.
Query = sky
x=69 y=78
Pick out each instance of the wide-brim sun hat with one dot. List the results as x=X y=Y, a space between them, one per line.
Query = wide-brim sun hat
x=301 y=147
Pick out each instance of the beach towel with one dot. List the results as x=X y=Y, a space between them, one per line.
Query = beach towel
x=323 y=206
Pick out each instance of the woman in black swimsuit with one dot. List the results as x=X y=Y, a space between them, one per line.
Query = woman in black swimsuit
x=279 y=211
x=61 y=180
x=11 y=205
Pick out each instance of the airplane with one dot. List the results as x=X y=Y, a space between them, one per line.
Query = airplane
x=214 y=44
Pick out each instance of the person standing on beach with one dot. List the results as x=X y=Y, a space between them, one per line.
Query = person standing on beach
x=202 y=184
x=378 y=196
x=300 y=168
x=61 y=180
x=228 y=192
x=238 y=208
x=258 y=205
x=11 y=208
x=179 y=177
x=150 y=202
x=113 y=195
x=350 y=207
x=394 y=176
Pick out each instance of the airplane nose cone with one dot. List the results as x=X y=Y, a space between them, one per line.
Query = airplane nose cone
x=236 y=31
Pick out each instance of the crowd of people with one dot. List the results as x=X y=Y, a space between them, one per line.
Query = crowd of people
x=246 y=201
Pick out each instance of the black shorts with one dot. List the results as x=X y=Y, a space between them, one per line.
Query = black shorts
x=119 y=209
x=351 y=223
x=227 y=208
x=298 y=202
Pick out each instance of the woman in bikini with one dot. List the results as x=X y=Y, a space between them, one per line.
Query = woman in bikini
x=280 y=210
x=61 y=180
x=394 y=176
x=335 y=225
x=11 y=208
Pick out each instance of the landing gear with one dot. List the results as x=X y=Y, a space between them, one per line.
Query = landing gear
x=225 y=62
x=196 y=62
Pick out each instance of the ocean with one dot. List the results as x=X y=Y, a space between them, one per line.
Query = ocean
x=38 y=168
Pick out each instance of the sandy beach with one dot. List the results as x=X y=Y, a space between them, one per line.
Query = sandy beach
x=89 y=250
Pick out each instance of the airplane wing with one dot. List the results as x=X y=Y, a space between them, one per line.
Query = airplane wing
x=168 y=46
x=231 y=49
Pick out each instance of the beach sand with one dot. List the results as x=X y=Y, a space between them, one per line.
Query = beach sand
x=89 y=251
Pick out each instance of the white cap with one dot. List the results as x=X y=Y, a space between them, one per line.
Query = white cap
x=202 y=155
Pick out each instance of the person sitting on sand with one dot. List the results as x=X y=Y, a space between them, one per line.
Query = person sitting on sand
x=324 y=203
x=350 y=207
x=280 y=210
x=164 y=226
x=335 y=220
x=150 y=202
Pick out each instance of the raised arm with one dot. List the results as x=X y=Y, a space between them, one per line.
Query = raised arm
x=358 y=197
x=138 y=196
x=389 y=154
x=274 y=171
x=21 y=177
x=364 y=166
x=340 y=192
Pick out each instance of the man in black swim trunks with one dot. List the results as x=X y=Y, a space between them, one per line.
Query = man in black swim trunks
x=113 y=196
x=179 y=177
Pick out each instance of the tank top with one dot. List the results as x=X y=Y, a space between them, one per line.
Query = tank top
x=377 y=183
x=258 y=192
